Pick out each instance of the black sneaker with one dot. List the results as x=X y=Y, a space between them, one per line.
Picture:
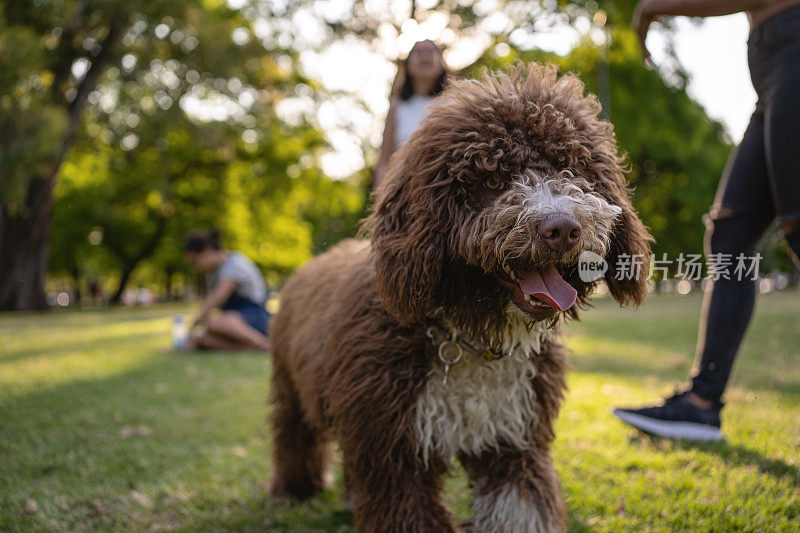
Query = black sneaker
x=676 y=419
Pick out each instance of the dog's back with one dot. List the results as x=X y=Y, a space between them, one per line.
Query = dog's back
x=312 y=302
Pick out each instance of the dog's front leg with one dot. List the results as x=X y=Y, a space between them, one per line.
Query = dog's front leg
x=397 y=494
x=515 y=490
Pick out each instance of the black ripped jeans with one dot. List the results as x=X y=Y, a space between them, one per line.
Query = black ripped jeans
x=761 y=182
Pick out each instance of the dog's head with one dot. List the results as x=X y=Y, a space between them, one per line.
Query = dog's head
x=490 y=203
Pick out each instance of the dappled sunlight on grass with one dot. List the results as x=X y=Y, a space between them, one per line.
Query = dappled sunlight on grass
x=104 y=427
x=127 y=434
x=619 y=479
x=50 y=354
x=606 y=355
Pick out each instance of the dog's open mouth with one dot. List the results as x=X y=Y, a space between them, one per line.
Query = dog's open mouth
x=540 y=291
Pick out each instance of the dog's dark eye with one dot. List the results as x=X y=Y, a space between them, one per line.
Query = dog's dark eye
x=493 y=183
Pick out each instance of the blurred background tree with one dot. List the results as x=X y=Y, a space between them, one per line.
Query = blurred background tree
x=125 y=125
x=159 y=79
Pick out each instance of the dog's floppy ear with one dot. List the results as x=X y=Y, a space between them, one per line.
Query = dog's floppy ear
x=408 y=248
x=628 y=255
x=628 y=258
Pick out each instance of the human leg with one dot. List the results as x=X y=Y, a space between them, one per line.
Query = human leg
x=729 y=302
x=212 y=341
x=741 y=213
x=767 y=160
x=232 y=326
x=782 y=139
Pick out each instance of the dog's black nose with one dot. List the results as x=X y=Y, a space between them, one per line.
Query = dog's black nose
x=560 y=232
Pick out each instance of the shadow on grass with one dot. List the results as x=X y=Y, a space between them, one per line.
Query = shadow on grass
x=624 y=366
x=732 y=454
x=741 y=455
x=202 y=352
x=576 y=523
x=68 y=318
x=107 y=436
x=674 y=370
x=325 y=512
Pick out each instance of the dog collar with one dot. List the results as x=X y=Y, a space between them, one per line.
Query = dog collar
x=450 y=345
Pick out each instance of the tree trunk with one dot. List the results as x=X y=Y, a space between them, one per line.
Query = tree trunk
x=25 y=231
x=24 y=245
x=123 y=281
x=168 y=274
x=76 y=277
x=131 y=262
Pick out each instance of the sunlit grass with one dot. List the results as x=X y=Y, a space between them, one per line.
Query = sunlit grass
x=104 y=427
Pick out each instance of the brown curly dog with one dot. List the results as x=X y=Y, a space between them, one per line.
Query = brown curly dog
x=436 y=338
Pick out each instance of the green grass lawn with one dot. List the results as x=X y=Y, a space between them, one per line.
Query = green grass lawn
x=103 y=427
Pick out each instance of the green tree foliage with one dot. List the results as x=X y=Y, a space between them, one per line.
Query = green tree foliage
x=148 y=165
x=259 y=185
x=164 y=116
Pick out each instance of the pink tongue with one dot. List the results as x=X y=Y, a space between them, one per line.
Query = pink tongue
x=548 y=285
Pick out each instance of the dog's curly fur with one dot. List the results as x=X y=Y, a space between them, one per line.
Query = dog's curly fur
x=459 y=211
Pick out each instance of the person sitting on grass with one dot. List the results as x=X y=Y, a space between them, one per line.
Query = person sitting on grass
x=236 y=288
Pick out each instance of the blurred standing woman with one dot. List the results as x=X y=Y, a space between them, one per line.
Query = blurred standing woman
x=423 y=76
x=236 y=288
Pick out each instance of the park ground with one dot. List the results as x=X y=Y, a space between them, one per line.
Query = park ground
x=103 y=427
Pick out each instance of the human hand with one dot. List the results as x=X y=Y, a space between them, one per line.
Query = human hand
x=645 y=14
x=378 y=175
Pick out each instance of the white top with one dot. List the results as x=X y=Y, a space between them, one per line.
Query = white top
x=408 y=115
